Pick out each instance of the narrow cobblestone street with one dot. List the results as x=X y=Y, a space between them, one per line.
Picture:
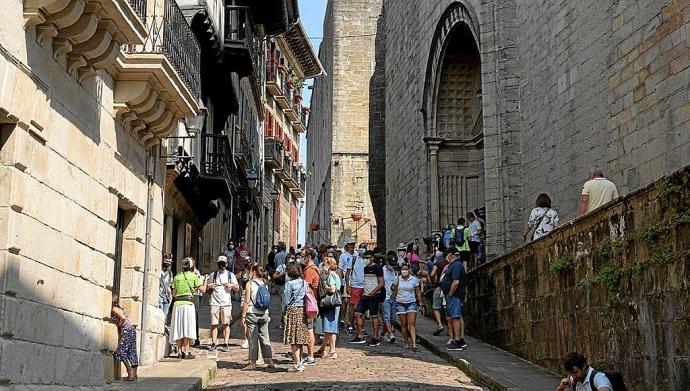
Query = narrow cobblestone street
x=359 y=367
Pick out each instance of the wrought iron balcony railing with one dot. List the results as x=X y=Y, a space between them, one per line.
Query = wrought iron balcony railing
x=170 y=35
x=243 y=150
x=273 y=153
x=275 y=81
x=241 y=39
x=216 y=157
x=139 y=6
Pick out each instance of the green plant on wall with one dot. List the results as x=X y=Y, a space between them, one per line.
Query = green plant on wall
x=670 y=193
x=562 y=263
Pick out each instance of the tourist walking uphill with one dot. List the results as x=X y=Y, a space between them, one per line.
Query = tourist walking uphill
x=454 y=289
x=372 y=295
x=255 y=316
x=542 y=220
x=296 y=332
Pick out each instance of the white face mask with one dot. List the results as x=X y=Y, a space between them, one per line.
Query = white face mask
x=361 y=251
x=404 y=273
x=401 y=254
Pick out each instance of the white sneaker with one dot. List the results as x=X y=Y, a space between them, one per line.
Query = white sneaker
x=450 y=341
x=245 y=344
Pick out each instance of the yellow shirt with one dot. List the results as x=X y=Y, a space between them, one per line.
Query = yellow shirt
x=600 y=192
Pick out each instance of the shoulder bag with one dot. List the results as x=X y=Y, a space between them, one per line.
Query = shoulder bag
x=538 y=223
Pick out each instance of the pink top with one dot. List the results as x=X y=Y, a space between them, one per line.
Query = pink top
x=412 y=257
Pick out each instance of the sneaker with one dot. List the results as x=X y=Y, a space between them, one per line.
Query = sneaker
x=374 y=342
x=365 y=333
x=245 y=344
x=189 y=356
x=350 y=330
x=462 y=343
x=224 y=348
x=392 y=339
x=298 y=368
x=358 y=340
x=450 y=342
x=309 y=361
x=341 y=325
x=454 y=346
x=386 y=338
x=181 y=355
x=438 y=331
x=212 y=347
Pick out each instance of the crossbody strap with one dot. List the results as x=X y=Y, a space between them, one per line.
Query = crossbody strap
x=538 y=223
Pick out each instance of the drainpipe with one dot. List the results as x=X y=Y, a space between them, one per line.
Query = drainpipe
x=150 y=171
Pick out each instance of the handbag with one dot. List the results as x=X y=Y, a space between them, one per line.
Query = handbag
x=311 y=306
x=332 y=300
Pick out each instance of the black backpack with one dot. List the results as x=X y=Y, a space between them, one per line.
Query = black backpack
x=615 y=377
x=321 y=290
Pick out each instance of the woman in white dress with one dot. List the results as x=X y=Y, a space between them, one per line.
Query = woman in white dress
x=183 y=325
x=542 y=220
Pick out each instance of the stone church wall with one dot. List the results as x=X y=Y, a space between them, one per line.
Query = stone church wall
x=564 y=87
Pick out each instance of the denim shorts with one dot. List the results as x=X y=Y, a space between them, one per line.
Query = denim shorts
x=387 y=308
x=437 y=303
x=404 y=308
x=453 y=307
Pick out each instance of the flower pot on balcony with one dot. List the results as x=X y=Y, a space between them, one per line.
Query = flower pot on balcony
x=298 y=98
x=290 y=83
x=305 y=110
x=357 y=216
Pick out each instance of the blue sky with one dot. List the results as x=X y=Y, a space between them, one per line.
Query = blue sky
x=311 y=14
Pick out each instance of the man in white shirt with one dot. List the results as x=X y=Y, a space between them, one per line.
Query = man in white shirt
x=582 y=376
x=223 y=282
x=597 y=191
x=475 y=228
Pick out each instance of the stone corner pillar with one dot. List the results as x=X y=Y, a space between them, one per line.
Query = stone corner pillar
x=433 y=144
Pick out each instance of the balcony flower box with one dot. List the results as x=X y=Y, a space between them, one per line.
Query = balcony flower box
x=298 y=98
x=305 y=110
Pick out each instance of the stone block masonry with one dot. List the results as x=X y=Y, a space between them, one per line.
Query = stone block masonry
x=66 y=168
x=613 y=285
x=338 y=129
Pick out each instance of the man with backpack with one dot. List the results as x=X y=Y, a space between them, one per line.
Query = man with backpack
x=460 y=240
x=221 y=283
x=312 y=277
x=454 y=288
x=585 y=378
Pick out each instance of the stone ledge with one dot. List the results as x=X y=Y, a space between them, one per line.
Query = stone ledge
x=172 y=375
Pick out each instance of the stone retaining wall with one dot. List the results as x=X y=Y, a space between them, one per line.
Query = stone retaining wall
x=613 y=285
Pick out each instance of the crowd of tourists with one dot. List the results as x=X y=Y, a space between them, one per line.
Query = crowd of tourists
x=326 y=291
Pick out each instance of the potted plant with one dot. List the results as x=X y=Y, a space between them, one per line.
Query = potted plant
x=305 y=110
x=357 y=216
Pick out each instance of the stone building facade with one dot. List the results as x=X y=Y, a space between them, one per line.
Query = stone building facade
x=290 y=60
x=85 y=103
x=338 y=131
x=496 y=102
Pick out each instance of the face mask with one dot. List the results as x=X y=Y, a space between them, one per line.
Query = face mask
x=361 y=251
x=401 y=254
x=405 y=273
x=300 y=260
x=367 y=261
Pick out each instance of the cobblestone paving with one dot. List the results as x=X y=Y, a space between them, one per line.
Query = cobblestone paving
x=358 y=367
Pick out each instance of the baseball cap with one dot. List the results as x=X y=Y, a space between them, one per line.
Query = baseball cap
x=222 y=258
x=401 y=246
x=188 y=262
x=352 y=242
x=453 y=251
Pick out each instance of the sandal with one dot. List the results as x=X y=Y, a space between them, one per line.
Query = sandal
x=249 y=367
x=333 y=355
x=271 y=365
x=319 y=354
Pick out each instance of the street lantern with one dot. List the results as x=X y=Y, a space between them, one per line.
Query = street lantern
x=252 y=179
x=195 y=124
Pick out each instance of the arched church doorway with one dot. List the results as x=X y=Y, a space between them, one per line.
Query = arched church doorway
x=459 y=124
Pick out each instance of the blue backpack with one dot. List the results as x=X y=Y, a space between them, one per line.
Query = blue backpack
x=263 y=297
x=446 y=238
